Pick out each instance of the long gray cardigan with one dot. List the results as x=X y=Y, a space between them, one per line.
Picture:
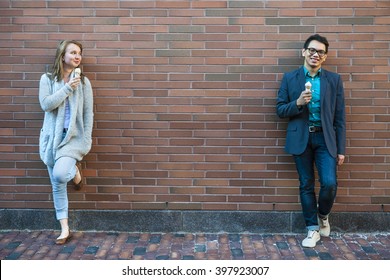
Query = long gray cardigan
x=78 y=140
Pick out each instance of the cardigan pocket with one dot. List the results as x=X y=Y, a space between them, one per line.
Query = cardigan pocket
x=45 y=148
x=87 y=146
x=43 y=140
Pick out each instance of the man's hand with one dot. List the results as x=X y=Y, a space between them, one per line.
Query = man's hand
x=304 y=98
x=340 y=159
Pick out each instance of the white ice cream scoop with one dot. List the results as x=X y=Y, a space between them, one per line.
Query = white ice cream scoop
x=77 y=72
x=308 y=86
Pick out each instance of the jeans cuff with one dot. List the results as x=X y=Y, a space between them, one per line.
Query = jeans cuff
x=322 y=217
x=317 y=228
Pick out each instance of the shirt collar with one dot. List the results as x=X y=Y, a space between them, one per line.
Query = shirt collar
x=307 y=74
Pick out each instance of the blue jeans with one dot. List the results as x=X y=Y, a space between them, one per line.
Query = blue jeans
x=316 y=153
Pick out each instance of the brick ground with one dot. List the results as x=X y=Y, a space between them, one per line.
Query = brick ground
x=39 y=245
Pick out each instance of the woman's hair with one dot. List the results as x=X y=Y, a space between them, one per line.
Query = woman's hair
x=319 y=38
x=57 y=70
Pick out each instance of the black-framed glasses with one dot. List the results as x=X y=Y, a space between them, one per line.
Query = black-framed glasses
x=320 y=53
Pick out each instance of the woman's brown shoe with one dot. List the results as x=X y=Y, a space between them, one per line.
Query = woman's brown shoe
x=79 y=184
x=62 y=241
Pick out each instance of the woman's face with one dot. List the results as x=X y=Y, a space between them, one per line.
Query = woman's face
x=72 y=57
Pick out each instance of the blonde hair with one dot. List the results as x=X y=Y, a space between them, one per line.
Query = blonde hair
x=57 y=70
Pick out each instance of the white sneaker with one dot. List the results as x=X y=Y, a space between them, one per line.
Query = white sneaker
x=313 y=236
x=324 y=226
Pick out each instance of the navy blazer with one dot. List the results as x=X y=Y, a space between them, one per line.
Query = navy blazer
x=332 y=111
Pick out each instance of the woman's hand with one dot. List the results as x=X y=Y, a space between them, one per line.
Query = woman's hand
x=74 y=82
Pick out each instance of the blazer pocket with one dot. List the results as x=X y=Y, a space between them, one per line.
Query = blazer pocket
x=291 y=127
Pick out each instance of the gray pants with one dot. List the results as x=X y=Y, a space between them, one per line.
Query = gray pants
x=63 y=171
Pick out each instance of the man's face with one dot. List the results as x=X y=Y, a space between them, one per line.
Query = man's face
x=315 y=55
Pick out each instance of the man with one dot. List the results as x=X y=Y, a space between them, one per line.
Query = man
x=315 y=133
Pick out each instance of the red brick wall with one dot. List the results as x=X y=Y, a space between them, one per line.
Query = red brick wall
x=185 y=100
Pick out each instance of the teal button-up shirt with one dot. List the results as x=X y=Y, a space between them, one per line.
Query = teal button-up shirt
x=315 y=104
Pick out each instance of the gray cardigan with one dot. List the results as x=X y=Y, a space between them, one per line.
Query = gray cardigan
x=78 y=140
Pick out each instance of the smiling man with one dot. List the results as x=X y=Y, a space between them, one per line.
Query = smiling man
x=312 y=99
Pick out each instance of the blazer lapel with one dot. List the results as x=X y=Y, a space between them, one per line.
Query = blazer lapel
x=301 y=79
x=324 y=87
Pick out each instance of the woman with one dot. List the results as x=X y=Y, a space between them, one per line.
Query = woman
x=66 y=97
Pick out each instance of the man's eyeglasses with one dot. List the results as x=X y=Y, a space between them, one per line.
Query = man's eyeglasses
x=320 y=53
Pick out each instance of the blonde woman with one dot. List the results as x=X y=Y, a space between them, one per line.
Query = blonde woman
x=65 y=95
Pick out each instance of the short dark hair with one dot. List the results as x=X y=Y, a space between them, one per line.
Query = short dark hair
x=319 y=38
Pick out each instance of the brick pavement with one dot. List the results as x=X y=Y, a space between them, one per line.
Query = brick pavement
x=39 y=245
